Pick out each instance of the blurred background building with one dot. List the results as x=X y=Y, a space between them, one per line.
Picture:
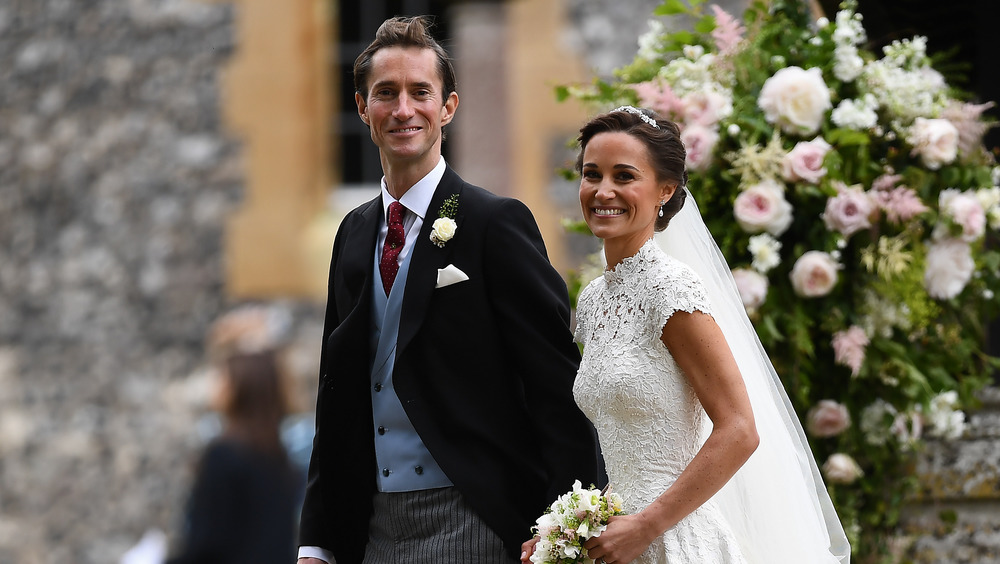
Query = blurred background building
x=165 y=161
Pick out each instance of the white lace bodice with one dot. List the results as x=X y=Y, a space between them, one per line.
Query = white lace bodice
x=648 y=418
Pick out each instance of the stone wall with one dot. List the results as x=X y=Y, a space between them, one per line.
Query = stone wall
x=115 y=179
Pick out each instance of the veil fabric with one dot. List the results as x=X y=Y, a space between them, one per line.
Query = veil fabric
x=777 y=503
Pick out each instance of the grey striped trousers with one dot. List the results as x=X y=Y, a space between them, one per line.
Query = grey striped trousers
x=430 y=526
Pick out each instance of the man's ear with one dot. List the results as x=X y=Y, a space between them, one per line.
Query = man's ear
x=449 y=108
x=362 y=107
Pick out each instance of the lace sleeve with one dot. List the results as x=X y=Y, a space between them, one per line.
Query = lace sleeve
x=678 y=288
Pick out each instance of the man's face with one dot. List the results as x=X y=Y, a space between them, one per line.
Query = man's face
x=405 y=107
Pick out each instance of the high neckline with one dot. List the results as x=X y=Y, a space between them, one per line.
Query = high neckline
x=631 y=265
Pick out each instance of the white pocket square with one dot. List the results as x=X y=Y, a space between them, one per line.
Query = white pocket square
x=450 y=275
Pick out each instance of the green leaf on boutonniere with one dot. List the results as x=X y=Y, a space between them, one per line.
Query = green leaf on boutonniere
x=449 y=208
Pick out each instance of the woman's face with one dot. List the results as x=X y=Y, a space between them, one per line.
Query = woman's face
x=619 y=192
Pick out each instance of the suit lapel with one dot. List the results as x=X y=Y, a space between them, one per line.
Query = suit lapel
x=427 y=258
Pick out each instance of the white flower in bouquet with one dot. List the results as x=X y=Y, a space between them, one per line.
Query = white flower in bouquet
x=574 y=517
x=796 y=99
x=935 y=141
x=949 y=268
x=805 y=161
x=966 y=210
x=752 y=287
x=850 y=211
x=840 y=468
x=814 y=274
x=766 y=252
x=762 y=207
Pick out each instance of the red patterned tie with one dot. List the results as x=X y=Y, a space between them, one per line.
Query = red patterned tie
x=394 y=240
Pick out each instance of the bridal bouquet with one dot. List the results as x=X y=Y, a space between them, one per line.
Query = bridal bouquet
x=852 y=195
x=572 y=519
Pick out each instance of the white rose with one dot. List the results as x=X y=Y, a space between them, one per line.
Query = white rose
x=949 y=268
x=795 y=99
x=762 y=207
x=935 y=140
x=442 y=230
x=752 y=287
x=841 y=469
x=814 y=274
x=706 y=107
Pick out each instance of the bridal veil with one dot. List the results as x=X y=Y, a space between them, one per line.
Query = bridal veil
x=777 y=503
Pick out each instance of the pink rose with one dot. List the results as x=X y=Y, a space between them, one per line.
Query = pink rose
x=965 y=209
x=805 y=161
x=814 y=274
x=949 y=268
x=827 y=419
x=699 y=141
x=849 y=211
x=841 y=469
x=706 y=107
x=849 y=348
x=795 y=99
x=935 y=140
x=762 y=207
x=752 y=286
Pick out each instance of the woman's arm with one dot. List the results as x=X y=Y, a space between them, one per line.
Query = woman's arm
x=697 y=344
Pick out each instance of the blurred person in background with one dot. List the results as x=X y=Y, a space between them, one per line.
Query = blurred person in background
x=244 y=503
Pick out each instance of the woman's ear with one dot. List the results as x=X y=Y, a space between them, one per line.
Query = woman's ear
x=667 y=191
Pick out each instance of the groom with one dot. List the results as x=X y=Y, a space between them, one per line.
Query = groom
x=445 y=421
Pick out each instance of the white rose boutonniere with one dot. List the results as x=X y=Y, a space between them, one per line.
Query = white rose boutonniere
x=444 y=226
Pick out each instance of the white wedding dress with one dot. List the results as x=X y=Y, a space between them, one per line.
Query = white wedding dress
x=648 y=418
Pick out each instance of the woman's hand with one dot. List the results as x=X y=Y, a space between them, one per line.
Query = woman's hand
x=626 y=537
x=528 y=548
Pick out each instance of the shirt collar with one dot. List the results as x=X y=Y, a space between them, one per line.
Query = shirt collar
x=418 y=198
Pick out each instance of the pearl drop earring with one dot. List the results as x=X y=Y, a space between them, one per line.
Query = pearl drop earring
x=661 y=207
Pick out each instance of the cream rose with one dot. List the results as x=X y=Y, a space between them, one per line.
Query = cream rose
x=827 y=419
x=795 y=99
x=762 y=207
x=752 y=287
x=699 y=141
x=934 y=140
x=442 y=230
x=805 y=161
x=849 y=211
x=841 y=469
x=949 y=268
x=814 y=274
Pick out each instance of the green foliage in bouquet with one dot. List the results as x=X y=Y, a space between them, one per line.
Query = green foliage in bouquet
x=853 y=198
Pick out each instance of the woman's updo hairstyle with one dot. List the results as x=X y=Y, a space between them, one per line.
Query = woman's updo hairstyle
x=663 y=142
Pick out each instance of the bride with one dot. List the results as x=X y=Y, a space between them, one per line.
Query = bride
x=697 y=433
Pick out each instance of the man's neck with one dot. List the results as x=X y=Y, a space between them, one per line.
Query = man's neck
x=400 y=177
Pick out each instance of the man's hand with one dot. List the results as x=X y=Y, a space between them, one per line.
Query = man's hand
x=528 y=548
